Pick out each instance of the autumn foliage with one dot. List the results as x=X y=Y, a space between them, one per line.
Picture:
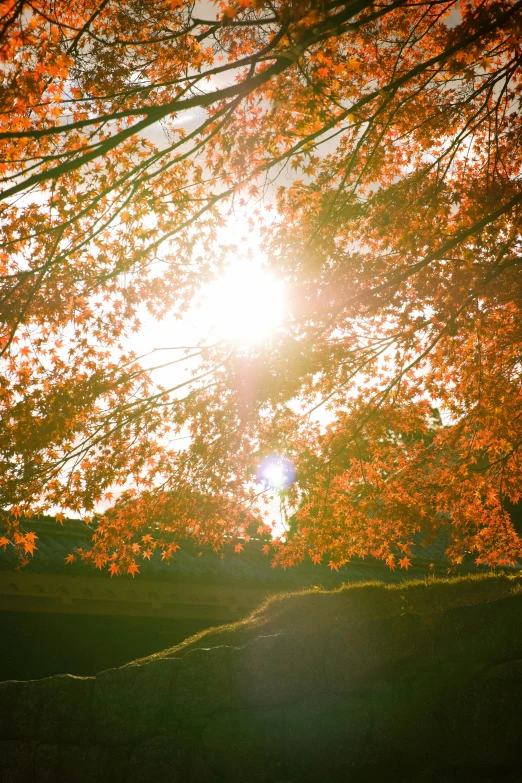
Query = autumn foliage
x=379 y=148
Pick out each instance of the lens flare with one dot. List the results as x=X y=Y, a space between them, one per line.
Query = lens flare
x=276 y=472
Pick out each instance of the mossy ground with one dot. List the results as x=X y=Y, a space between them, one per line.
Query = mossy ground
x=314 y=610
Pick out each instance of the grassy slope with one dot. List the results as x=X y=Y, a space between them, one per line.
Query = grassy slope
x=317 y=609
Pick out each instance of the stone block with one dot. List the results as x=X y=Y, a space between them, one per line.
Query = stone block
x=483 y=723
x=65 y=707
x=485 y=633
x=200 y=772
x=129 y=702
x=327 y=738
x=53 y=709
x=16 y=761
x=161 y=759
x=55 y=763
x=22 y=705
x=360 y=653
x=202 y=685
x=409 y=718
x=10 y=693
x=280 y=669
x=245 y=746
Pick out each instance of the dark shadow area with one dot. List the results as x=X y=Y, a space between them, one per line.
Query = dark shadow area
x=39 y=645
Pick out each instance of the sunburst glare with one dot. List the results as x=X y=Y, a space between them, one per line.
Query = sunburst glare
x=244 y=305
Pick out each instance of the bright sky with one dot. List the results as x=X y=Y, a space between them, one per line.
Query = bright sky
x=243 y=305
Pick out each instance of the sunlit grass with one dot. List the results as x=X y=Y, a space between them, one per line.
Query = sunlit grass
x=316 y=609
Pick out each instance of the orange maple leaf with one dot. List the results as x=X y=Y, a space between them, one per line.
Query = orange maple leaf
x=28 y=544
x=133 y=569
x=390 y=562
x=69 y=559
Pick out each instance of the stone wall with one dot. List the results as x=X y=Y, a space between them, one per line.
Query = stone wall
x=406 y=698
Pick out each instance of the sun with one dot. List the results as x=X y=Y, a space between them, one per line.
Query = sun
x=245 y=305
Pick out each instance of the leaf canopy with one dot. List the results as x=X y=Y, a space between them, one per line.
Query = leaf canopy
x=386 y=139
